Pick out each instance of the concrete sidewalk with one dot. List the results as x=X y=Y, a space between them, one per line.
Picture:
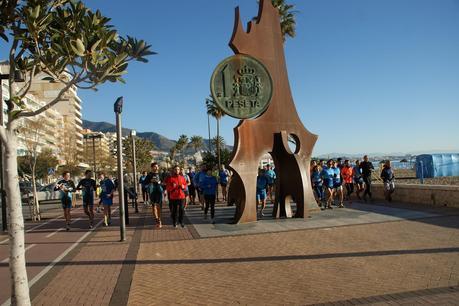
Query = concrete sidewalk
x=365 y=254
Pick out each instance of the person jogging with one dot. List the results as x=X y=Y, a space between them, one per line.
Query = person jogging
x=358 y=179
x=197 y=183
x=106 y=195
x=327 y=175
x=387 y=175
x=262 y=186
x=143 y=185
x=155 y=193
x=209 y=190
x=347 y=173
x=176 y=187
x=88 y=187
x=338 y=183
x=192 y=187
x=317 y=185
x=66 y=187
x=271 y=176
x=223 y=176
x=367 y=169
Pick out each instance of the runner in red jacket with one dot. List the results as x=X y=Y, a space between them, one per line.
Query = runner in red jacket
x=176 y=186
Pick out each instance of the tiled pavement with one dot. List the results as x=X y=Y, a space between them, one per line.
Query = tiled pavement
x=397 y=256
x=368 y=263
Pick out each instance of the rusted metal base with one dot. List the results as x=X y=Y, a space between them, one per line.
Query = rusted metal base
x=269 y=132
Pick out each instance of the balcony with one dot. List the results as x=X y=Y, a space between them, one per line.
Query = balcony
x=78 y=119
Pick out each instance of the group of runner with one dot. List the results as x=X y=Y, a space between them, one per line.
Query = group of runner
x=88 y=186
x=182 y=187
x=328 y=179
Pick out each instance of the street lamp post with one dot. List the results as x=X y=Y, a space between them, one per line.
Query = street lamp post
x=94 y=156
x=134 y=169
x=118 y=107
x=93 y=137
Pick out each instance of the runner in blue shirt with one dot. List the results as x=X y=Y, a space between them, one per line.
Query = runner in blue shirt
x=143 y=185
x=223 y=177
x=271 y=175
x=327 y=177
x=192 y=187
x=262 y=186
x=88 y=187
x=106 y=195
x=338 y=183
x=209 y=187
x=197 y=184
x=317 y=184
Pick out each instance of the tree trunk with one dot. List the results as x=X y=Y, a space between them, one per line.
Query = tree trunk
x=17 y=263
x=36 y=205
x=218 y=143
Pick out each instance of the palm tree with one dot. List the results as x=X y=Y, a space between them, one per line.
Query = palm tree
x=172 y=153
x=196 y=142
x=181 y=143
x=215 y=111
x=218 y=142
x=287 y=18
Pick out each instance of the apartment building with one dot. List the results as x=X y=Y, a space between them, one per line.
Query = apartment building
x=70 y=108
x=60 y=127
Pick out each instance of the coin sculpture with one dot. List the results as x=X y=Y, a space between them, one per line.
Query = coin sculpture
x=241 y=86
x=269 y=119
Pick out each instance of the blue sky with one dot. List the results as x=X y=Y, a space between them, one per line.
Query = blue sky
x=366 y=76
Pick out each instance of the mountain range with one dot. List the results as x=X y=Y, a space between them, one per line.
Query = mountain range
x=161 y=142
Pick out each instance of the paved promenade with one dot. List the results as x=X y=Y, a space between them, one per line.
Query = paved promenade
x=364 y=254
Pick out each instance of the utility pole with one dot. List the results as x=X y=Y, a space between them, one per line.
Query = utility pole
x=134 y=169
x=118 y=107
x=94 y=156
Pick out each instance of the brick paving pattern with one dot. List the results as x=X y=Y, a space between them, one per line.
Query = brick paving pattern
x=403 y=262
x=301 y=267
x=91 y=276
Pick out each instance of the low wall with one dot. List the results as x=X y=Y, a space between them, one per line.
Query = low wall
x=435 y=195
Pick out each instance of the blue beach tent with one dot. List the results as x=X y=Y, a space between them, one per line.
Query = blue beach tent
x=437 y=165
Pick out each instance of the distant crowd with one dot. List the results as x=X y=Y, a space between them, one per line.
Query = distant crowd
x=329 y=177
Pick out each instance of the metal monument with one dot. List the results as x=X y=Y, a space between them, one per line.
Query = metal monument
x=253 y=86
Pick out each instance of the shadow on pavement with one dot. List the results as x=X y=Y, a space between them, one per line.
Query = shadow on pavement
x=251 y=259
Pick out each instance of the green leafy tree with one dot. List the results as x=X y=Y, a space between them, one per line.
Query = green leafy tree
x=210 y=159
x=181 y=144
x=143 y=157
x=215 y=111
x=66 y=43
x=219 y=142
x=46 y=160
x=172 y=154
x=196 y=142
x=74 y=169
